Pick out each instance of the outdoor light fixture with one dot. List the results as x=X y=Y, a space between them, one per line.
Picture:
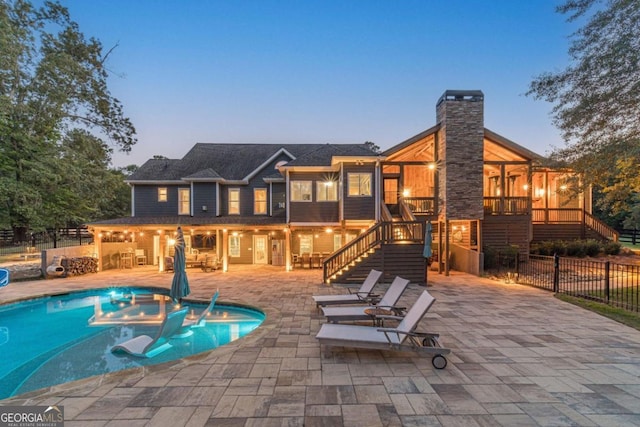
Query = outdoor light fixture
x=406 y=192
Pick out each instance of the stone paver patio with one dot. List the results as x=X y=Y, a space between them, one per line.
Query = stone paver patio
x=519 y=357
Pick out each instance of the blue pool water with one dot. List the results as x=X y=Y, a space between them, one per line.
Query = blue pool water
x=57 y=339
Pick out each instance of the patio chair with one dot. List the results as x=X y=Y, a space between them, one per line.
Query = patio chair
x=401 y=338
x=145 y=346
x=386 y=306
x=362 y=296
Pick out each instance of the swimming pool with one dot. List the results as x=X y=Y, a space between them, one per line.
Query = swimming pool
x=62 y=338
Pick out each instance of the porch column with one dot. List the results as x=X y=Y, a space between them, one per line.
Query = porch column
x=225 y=250
x=446 y=247
x=98 y=247
x=287 y=249
x=163 y=245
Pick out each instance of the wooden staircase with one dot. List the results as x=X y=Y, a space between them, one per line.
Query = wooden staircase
x=394 y=247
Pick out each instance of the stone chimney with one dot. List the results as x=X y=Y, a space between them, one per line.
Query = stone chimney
x=460 y=114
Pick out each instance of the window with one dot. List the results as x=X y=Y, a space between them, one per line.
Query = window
x=300 y=191
x=260 y=201
x=184 y=202
x=162 y=194
x=337 y=241
x=234 y=246
x=306 y=243
x=326 y=191
x=234 y=201
x=359 y=184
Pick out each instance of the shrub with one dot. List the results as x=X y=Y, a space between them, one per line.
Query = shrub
x=592 y=247
x=490 y=257
x=509 y=255
x=612 y=248
x=576 y=248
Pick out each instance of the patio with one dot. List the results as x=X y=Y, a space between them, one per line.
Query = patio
x=519 y=357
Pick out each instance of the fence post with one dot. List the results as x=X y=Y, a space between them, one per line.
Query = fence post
x=556 y=273
x=607 y=269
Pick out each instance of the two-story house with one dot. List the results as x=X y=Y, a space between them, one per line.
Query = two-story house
x=346 y=209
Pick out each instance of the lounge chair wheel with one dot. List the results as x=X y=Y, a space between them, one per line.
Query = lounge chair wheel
x=428 y=342
x=439 y=361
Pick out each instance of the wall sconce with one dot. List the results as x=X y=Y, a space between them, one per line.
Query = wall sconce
x=406 y=192
x=204 y=208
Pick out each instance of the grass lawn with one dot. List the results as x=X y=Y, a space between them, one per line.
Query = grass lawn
x=628 y=318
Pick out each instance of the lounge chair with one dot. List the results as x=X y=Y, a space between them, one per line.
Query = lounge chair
x=362 y=296
x=402 y=337
x=387 y=305
x=145 y=346
x=202 y=318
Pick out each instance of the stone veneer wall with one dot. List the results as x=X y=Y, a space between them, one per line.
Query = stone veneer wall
x=460 y=151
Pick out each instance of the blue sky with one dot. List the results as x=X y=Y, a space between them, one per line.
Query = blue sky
x=348 y=71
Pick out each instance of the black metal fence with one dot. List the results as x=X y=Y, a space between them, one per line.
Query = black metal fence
x=631 y=237
x=36 y=242
x=607 y=282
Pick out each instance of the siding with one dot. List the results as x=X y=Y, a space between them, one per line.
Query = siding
x=499 y=231
x=545 y=232
x=204 y=194
x=314 y=211
x=146 y=200
x=359 y=207
x=246 y=191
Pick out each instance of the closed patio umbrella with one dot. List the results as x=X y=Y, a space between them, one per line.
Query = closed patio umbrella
x=426 y=252
x=180 y=284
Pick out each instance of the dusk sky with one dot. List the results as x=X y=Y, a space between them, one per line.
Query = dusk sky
x=321 y=71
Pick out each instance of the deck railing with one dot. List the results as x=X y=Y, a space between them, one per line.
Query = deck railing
x=421 y=205
x=507 y=205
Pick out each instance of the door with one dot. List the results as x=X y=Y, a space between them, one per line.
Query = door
x=260 y=255
x=391 y=194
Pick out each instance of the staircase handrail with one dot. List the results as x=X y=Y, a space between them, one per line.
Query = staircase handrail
x=406 y=212
x=600 y=227
x=385 y=214
x=382 y=232
x=351 y=251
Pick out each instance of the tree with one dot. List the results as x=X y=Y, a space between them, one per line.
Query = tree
x=597 y=98
x=373 y=147
x=53 y=92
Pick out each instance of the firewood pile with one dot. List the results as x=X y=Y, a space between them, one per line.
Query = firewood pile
x=80 y=265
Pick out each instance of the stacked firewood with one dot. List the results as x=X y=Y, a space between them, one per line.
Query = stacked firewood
x=80 y=265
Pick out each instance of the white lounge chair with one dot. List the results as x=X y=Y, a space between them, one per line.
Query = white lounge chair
x=403 y=337
x=362 y=296
x=387 y=305
x=145 y=346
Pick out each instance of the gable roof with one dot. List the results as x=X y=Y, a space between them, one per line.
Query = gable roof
x=239 y=162
x=488 y=134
